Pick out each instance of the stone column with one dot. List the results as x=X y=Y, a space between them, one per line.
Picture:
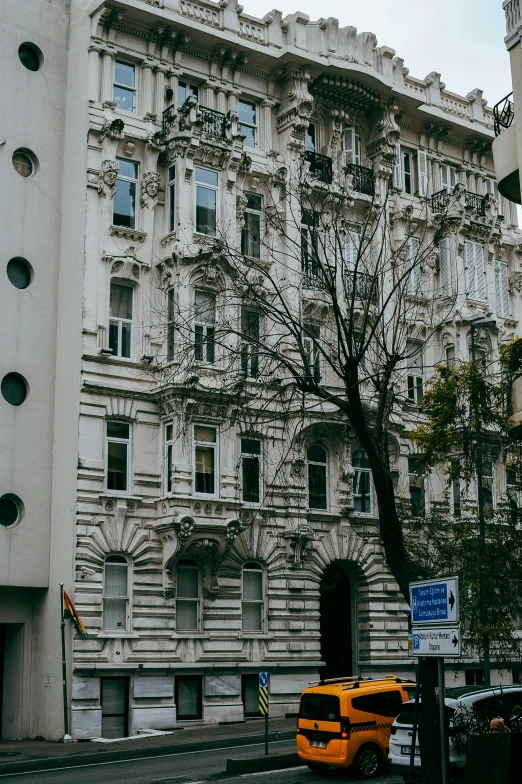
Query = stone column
x=108 y=76
x=221 y=96
x=265 y=126
x=94 y=73
x=146 y=89
x=233 y=102
x=173 y=81
x=159 y=103
x=206 y=96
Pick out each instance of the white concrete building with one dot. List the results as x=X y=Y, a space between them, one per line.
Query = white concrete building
x=202 y=556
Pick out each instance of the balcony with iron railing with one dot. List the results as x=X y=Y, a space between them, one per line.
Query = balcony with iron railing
x=213 y=123
x=505 y=151
x=362 y=178
x=361 y=287
x=320 y=166
x=440 y=202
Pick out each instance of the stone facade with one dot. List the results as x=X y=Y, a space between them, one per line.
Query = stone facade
x=168 y=93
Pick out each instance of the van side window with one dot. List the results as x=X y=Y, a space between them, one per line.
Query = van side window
x=320 y=707
x=387 y=703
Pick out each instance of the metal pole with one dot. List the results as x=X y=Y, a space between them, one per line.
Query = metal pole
x=266 y=733
x=415 y=722
x=482 y=525
x=442 y=714
x=66 y=736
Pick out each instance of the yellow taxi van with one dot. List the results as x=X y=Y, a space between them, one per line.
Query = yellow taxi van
x=346 y=722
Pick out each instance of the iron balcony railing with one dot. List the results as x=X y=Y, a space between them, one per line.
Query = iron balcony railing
x=168 y=117
x=320 y=166
x=503 y=114
x=441 y=201
x=362 y=178
x=361 y=286
x=213 y=122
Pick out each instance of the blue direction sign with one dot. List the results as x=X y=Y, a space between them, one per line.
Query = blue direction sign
x=435 y=601
x=263 y=679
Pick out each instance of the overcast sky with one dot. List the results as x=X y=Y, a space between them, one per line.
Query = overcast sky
x=461 y=39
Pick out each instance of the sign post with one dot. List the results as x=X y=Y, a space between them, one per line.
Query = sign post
x=436 y=632
x=263 y=703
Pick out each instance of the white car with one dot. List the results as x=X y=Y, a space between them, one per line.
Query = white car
x=505 y=701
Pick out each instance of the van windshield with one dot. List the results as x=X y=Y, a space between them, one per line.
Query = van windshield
x=320 y=707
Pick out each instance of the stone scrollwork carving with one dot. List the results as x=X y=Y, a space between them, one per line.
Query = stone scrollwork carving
x=298 y=103
x=232 y=127
x=108 y=174
x=190 y=117
x=149 y=189
x=113 y=129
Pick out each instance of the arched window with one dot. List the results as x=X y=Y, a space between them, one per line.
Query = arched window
x=252 y=597
x=187 y=596
x=362 y=494
x=317 y=460
x=116 y=593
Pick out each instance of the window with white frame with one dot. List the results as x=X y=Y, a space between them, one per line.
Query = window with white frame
x=417 y=489
x=502 y=289
x=475 y=272
x=413 y=267
x=312 y=354
x=445 y=282
x=118 y=455
x=169 y=445
x=407 y=171
x=250 y=334
x=185 y=90
x=351 y=147
x=415 y=374
x=362 y=494
x=317 y=459
x=124 y=208
x=206 y=201
x=171 y=188
x=411 y=166
x=252 y=598
x=116 y=593
x=251 y=470
x=448 y=177
x=124 y=91
x=491 y=186
x=187 y=596
x=311 y=138
x=120 y=320
x=312 y=271
x=247 y=112
x=204 y=326
x=171 y=324
x=205 y=460
x=488 y=488
x=251 y=231
x=450 y=357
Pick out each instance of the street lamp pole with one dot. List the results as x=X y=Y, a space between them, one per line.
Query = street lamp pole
x=480 y=505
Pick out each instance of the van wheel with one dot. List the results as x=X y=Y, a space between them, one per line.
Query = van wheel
x=367 y=762
x=317 y=767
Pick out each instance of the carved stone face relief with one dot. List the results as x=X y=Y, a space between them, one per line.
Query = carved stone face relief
x=108 y=175
x=151 y=181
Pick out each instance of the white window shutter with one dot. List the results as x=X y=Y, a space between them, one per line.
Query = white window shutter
x=445 y=268
x=479 y=272
x=349 y=146
x=357 y=149
x=469 y=263
x=422 y=169
x=397 y=169
x=351 y=252
x=452 y=178
x=444 y=177
x=504 y=288
x=498 y=291
x=414 y=267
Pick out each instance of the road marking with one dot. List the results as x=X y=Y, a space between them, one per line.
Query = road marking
x=137 y=759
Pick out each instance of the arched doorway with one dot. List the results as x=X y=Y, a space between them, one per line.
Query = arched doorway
x=337 y=626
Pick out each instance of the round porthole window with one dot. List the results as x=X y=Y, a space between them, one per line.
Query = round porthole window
x=25 y=162
x=19 y=272
x=11 y=510
x=30 y=56
x=14 y=389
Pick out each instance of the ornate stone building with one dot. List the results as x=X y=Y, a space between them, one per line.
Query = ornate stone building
x=206 y=550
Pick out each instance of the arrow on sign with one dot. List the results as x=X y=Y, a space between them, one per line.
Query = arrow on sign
x=455 y=641
x=451 y=600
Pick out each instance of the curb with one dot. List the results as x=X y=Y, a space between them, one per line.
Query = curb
x=88 y=758
x=261 y=764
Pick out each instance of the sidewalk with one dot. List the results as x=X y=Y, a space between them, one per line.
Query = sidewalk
x=24 y=756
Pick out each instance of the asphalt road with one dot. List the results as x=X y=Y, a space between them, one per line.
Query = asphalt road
x=195 y=767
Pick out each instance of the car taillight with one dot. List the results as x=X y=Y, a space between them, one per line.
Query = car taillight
x=345 y=728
